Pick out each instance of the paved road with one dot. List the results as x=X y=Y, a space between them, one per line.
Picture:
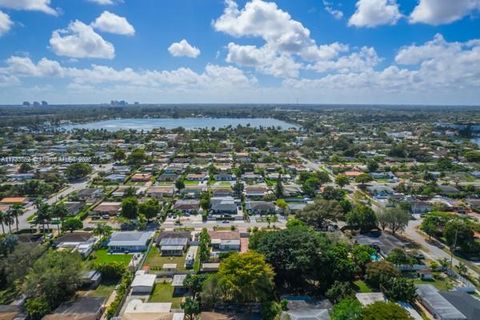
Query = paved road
x=433 y=252
x=73 y=187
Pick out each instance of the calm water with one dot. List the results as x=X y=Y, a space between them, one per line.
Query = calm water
x=187 y=123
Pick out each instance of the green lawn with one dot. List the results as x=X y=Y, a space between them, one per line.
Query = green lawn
x=442 y=285
x=103 y=290
x=163 y=292
x=102 y=256
x=362 y=287
x=155 y=261
x=190 y=183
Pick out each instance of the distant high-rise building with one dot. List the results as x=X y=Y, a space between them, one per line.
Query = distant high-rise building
x=36 y=104
x=44 y=103
x=26 y=104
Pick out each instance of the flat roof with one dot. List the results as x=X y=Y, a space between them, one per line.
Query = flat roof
x=436 y=303
x=178 y=280
x=370 y=297
x=129 y=238
x=144 y=280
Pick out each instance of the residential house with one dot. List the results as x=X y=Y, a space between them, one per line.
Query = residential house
x=141 y=177
x=115 y=177
x=129 y=241
x=108 y=208
x=191 y=206
x=260 y=207
x=143 y=283
x=90 y=194
x=224 y=176
x=160 y=192
x=437 y=304
x=223 y=206
x=256 y=191
x=225 y=240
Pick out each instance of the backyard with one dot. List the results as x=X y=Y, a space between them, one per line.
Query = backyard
x=163 y=292
x=155 y=261
x=102 y=256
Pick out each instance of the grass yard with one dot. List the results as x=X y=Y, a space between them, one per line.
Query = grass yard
x=102 y=256
x=103 y=290
x=362 y=287
x=442 y=285
x=163 y=292
x=155 y=261
x=190 y=183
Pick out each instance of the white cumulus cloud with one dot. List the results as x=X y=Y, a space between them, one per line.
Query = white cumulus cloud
x=183 y=49
x=372 y=13
x=110 y=22
x=80 y=41
x=437 y=12
x=5 y=23
x=30 y=5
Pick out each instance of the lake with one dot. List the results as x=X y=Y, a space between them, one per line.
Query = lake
x=187 y=123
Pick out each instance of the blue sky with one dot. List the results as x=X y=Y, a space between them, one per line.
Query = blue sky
x=186 y=51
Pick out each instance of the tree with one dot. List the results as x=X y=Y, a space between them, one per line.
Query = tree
x=362 y=217
x=7 y=244
x=385 y=310
x=54 y=277
x=137 y=157
x=119 y=154
x=149 y=208
x=347 y=309
x=77 y=171
x=472 y=156
x=294 y=253
x=317 y=213
x=204 y=244
x=111 y=271
x=399 y=289
x=244 y=278
x=130 y=207
x=15 y=211
x=458 y=234
x=238 y=188
x=194 y=283
x=363 y=179
x=282 y=204
x=398 y=256
x=103 y=230
x=396 y=219
x=191 y=308
x=279 y=187
x=342 y=180
x=361 y=256
x=37 y=307
x=179 y=184
x=331 y=193
x=3 y=217
x=339 y=291
x=377 y=272
x=72 y=224
x=372 y=166
x=60 y=211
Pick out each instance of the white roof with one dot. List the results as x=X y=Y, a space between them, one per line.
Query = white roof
x=370 y=297
x=144 y=280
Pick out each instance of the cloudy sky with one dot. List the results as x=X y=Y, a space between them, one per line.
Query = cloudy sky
x=285 y=51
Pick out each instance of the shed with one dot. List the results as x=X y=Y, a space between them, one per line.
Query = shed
x=143 y=283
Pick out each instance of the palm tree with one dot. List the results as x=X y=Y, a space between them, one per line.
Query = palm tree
x=9 y=220
x=43 y=215
x=2 y=220
x=16 y=210
x=59 y=211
